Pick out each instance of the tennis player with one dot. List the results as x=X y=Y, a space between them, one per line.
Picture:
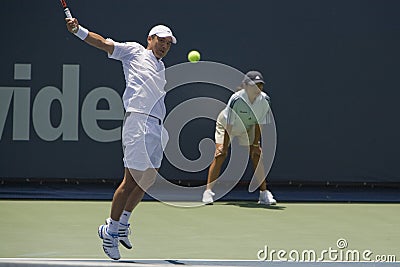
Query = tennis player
x=246 y=110
x=143 y=100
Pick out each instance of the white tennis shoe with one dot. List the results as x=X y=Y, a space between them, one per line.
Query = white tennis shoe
x=208 y=196
x=266 y=198
x=123 y=234
x=110 y=242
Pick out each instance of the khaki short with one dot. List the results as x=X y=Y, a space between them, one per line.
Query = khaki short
x=245 y=138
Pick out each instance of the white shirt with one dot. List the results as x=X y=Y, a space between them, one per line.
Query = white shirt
x=144 y=78
x=242 y=114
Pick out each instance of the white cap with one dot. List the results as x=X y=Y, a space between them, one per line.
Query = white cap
x=162 y=31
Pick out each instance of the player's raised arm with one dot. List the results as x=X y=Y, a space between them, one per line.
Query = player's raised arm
x=91 y=38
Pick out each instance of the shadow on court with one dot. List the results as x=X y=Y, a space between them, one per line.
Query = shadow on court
x=254 y=205
x=173 y=262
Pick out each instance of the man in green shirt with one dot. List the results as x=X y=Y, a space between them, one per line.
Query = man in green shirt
x=246 y=110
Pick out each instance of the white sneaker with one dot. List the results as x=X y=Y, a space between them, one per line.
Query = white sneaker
x=123 y=232
x=208 y=196
x=266 y=198
x=110 y=242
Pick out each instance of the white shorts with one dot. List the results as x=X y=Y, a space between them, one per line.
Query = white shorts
x=245 y=138
x=142 y=141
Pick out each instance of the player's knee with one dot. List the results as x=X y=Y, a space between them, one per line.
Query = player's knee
x=127 y=185
x=146 y=184
x=148 y=179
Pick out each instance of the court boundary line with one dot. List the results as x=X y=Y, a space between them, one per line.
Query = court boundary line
x=182 y=259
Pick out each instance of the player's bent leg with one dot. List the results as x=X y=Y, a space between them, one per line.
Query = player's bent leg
x=147 y=178
x=122 y=194
x=213 y=173
x=215 y=167
x=109 y=232
x=136 y=195
x=266 y=197
x=124 y=230
x=142 y=180
x=259 y=172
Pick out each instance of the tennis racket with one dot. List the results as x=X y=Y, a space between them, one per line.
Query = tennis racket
x=67 y=12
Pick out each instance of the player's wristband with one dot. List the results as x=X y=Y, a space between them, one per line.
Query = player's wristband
x=82 y=33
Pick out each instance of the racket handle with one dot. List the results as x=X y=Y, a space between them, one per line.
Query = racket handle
x=67 y=13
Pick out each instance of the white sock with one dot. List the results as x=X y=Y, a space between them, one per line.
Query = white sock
x=113 y=227
x=124 y=219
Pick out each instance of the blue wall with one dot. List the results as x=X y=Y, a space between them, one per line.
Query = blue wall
x=332 y=69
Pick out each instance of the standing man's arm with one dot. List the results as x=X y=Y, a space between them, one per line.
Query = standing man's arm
x=91 y=38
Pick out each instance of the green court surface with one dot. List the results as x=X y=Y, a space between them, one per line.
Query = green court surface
x=225 y=230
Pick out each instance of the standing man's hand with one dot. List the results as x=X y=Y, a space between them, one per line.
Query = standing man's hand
x=255 y=150
x=72 y=25
x=220 y=150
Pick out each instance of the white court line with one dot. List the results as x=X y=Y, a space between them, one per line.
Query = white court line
x=63 y=262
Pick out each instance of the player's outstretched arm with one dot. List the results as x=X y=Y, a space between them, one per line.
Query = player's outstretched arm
x=91 y=38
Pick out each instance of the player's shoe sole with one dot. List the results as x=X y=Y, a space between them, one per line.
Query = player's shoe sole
x=266 y=198
x=266 y=203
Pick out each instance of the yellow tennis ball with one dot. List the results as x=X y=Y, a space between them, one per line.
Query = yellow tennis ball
x=194 y=56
